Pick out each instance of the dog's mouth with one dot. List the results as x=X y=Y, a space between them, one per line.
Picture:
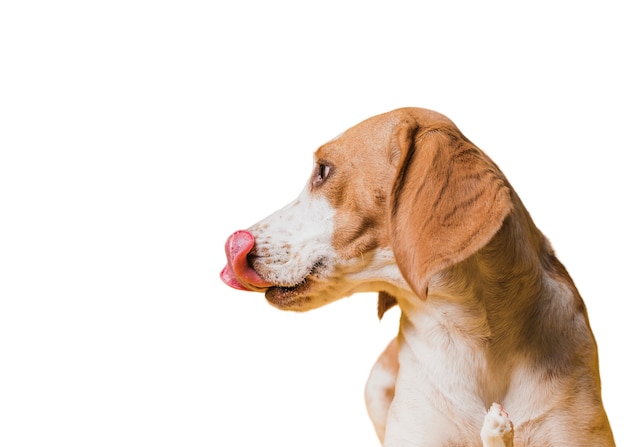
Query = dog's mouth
x=239 y=273
x=277 y=295
x=295 y=296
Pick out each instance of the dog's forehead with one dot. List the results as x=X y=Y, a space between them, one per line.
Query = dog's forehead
x=370 y=135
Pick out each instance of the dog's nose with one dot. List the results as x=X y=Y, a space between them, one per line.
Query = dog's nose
x=238 y=273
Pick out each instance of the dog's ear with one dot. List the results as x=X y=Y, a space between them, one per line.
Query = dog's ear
x=448 y=200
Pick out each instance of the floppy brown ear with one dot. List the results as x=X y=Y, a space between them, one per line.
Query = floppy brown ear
x=448 y=200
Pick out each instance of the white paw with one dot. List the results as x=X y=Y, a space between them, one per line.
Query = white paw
x=497 y=429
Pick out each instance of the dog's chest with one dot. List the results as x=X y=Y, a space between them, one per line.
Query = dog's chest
x=443 y=361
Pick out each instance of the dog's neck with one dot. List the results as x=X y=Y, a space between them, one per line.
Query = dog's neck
x=514 y=263
x=479 y=308
x=509 y=272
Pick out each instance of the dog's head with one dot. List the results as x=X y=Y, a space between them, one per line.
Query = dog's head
x=390 y=203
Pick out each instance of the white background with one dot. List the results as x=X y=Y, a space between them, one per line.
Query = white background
x=135 y=136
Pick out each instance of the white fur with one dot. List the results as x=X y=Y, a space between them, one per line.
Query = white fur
x=299 y=235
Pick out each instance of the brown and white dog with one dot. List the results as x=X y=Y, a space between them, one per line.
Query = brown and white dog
x=405 y=205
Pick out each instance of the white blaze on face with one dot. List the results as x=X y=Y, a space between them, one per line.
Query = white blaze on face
x=295 y=240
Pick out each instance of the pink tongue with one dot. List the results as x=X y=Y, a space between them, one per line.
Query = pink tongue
x=238 y=270
x=229 y=278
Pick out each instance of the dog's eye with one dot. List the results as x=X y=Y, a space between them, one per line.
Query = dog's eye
x=321 y=174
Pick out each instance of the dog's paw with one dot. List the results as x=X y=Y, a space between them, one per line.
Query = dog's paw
x=497 y=428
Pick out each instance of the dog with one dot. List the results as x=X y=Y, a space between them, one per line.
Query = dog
x=494 y=345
